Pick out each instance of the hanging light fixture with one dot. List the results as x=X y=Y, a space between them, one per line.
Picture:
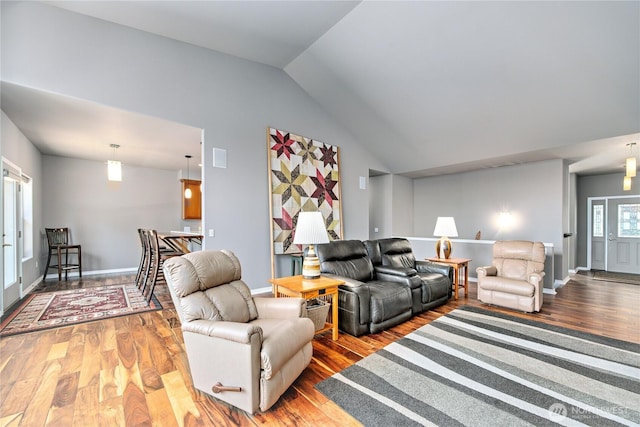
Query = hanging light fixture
x=626 y=183
x=631 y=162
x=187 y=191
x=114 y=167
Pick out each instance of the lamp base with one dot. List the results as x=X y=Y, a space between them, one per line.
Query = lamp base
x=443 y=248
x=311 y=265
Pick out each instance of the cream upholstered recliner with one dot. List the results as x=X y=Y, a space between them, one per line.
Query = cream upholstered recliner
x=514 y=279
x=245 y=351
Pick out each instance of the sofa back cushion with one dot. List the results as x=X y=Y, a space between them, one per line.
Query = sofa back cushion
x=347 y=258
x=397 y=252
x=373 y=250
x=516 y=259
x=208 y=285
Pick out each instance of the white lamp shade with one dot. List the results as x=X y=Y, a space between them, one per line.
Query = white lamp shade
x=631 y=167
x=626 y=183
x=310 y=229
x=445 y=226
x=114 y=170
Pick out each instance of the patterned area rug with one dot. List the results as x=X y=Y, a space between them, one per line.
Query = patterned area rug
x=478 y=368
x=63 y=308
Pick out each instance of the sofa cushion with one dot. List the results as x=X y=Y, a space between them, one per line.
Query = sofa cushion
x=388 y=300
x=509 y=286
x=516 y=259
x=397 y=252
x=210 y=288
x=347 y=258
x=435 y=286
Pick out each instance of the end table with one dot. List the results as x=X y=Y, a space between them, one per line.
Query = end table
x=458 y=264
x=323 y=287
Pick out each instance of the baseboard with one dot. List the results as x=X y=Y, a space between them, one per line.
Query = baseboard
x=95 y=272
x=31 y=287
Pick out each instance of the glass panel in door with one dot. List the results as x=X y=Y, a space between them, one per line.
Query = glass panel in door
x=624 y=235
x=10 y=236
x=598 y=239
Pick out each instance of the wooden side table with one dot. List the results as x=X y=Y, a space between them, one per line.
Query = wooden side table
x=324 y=288
x=459 y=265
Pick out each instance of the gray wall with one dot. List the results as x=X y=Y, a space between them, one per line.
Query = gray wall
x=608 y=185
x=380 y=206
x=233 y=100
x=19 y=150
x=533 y=193
x=103 y=216
x=402 y=196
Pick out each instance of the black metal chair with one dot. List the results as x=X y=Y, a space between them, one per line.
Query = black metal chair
x=60 y=247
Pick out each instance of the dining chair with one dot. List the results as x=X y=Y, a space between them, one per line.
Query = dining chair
x=59 y=246
x=155 y=258
x=143 y=268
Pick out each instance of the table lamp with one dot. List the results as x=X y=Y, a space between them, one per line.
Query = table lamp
x=310 y=230
x=445 y=228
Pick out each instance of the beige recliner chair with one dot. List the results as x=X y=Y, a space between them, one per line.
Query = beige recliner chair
x=245 y=351
x=514 y=280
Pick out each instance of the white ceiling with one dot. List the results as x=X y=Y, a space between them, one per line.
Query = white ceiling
x=432 y=87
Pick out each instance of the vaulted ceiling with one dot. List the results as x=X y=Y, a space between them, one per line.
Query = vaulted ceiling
x=431 y=86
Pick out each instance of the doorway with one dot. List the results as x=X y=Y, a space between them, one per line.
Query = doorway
x=11 y=234
x=614 y=234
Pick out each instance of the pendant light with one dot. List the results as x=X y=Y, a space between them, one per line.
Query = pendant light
x=114 y=167
x=187 y=191
x=631 y=162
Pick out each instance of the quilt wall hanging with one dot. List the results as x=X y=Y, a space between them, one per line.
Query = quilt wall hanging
x=304 y=175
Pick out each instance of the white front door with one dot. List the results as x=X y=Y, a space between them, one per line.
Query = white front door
x=623 y=235
x=11 y=235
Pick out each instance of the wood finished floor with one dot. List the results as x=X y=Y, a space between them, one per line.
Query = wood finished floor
x=133 y=371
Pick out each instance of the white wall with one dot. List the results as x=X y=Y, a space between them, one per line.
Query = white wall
x=233 y=100
x=380 y=207
x=16 y=148
x=402 y=205
x=104 y=216
x=533 y=193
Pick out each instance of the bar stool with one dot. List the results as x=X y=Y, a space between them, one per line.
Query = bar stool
x=59 y=243
x=156 y=258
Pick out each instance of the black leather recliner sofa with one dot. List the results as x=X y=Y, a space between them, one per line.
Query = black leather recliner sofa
x=374 y=299
x=394 y=257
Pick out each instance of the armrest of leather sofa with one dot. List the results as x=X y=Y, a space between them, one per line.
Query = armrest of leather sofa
x=356 y=294
x=486 y=271
x=434 y=267
x=412 y=281
x=232 y=331
x=280 y=308
x=535 y=278
x=395 y=271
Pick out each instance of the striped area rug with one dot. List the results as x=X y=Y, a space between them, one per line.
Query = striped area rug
x=474 y=367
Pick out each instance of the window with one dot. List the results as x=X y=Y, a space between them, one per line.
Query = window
x=598 y=218
x=629 y=220
x=27 y=217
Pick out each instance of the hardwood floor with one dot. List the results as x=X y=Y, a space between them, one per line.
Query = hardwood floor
x=133 y=371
